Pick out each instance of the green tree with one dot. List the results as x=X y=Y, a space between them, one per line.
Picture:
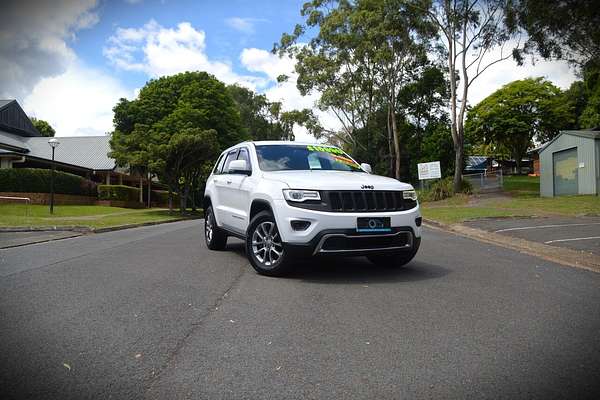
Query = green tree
x=364 y=52
x=566 y=29
x=467 y=32
x=265 y=120
x=519 y=112
x=187 y=104
x=43 y=127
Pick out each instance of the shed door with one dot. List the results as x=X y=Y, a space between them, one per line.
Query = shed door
x=565 y=172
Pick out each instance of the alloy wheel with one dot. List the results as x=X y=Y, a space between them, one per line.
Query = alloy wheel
x=266 y=244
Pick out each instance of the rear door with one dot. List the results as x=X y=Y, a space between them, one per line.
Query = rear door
x=565 y=172
x=240 y=188
x=223 y=184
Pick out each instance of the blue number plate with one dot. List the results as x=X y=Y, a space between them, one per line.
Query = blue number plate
x=373 y=224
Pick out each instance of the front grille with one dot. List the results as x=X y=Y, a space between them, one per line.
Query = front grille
x=341 y=243
x=364 y=200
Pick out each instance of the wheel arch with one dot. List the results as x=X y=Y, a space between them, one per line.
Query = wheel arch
x=259 y=205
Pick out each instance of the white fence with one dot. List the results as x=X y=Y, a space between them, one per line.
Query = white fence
x=485 y=181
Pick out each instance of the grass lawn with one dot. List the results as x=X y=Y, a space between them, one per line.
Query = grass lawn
x=521 y=183
x=520 y=199
x=90 y=216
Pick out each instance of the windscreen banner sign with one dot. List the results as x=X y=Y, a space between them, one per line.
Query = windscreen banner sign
x=429 y=170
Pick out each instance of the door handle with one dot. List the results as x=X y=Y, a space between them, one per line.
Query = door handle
x=229 y=182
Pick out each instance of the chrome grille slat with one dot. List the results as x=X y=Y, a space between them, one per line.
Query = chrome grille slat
x=364 y=200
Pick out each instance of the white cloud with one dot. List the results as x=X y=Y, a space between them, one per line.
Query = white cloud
x=262 y=61
x=33 y=38
x=498 y=75
x=159 y=51
x=243 y=25
x=77 y=102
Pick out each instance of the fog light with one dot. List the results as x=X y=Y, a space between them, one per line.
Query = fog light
x=300 y=225
x=418 y=221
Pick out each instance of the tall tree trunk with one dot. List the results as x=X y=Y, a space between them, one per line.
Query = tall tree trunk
x=193 y=198
x=390 y=145
x=395 y=134
x=170 y=201
x=183 y=197
x=149 y=190
x=141 y=188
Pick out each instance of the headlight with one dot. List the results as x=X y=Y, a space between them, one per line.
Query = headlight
x=299 y=195
x=409 y=195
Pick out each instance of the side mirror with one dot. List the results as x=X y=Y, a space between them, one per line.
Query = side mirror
x=239 y=167
x=367 y=168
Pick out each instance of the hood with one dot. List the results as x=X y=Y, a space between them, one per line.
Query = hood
x=334 y=180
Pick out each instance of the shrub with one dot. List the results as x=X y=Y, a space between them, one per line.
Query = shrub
x=444 y=188
x=35 y=180
x=118 y=192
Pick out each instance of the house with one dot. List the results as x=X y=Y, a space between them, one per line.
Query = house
x=22 y=146
x=570 y=164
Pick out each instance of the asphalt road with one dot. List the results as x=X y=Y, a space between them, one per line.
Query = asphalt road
x=576 y=233
x=151 y=313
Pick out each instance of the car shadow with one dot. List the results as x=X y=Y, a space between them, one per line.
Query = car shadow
x=354 y=270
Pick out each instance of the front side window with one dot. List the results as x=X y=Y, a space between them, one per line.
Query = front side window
x=299 y=157
x=244 y=156
x=232 y=155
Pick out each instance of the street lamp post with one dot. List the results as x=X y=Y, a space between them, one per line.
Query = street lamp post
x=54 y=144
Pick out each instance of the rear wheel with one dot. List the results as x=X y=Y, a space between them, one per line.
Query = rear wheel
x=265 y=247
x=396 y=260
x=216 y=239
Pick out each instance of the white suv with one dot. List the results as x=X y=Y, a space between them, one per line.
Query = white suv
x=289 y=200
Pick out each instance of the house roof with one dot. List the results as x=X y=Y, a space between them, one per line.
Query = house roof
x=90 y=152
x=13 y=119
x=476 y=162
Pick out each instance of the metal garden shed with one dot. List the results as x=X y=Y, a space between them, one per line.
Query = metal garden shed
x=570 y=164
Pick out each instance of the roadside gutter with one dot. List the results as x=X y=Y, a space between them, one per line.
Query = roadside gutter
x=560 y=255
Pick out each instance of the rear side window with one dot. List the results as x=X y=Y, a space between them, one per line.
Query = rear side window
x=232 y=155
x=219 y=164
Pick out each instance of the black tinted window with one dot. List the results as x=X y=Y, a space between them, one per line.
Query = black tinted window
x=298 y=157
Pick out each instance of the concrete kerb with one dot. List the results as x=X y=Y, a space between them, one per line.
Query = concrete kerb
x=87 y=229
x=558 y=255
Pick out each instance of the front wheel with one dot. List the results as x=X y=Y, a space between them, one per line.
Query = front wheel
x=396 y=260
x=264 y=246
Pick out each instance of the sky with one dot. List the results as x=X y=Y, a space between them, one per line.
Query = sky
x=69 y=61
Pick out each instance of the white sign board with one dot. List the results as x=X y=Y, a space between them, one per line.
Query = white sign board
x=429 y=170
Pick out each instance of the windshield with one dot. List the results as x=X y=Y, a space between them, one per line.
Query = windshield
x=307 y=157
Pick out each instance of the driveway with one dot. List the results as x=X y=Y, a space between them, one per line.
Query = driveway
x=577 y=233
x=151 y=313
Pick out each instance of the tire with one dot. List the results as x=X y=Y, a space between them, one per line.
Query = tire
x=264 y=246
x=216 y=239
x=396 y=260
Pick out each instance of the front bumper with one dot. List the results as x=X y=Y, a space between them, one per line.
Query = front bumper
x=336 y=222
x=347 y=242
